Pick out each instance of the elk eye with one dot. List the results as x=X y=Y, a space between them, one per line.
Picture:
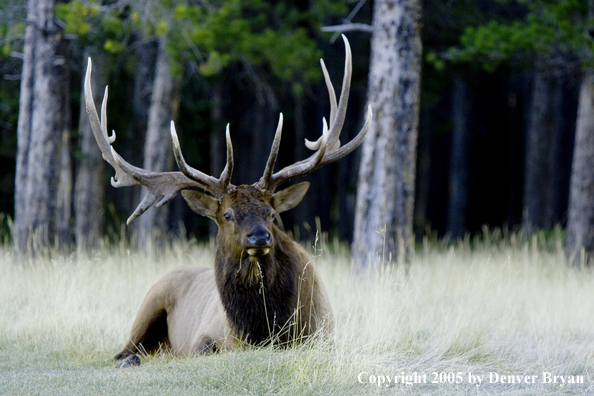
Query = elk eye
x=228 y=215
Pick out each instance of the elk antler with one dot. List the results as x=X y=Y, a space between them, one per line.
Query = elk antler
x=162 y=186
x=218 y=187
x=328 y=147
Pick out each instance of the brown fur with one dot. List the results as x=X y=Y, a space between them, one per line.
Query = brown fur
x=255 y=298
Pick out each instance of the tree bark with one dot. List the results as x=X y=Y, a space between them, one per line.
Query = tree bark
x=89 y=187
x=64 y=220
x=458 y=178
x=539 y=162
x=40 y=120
x=21 y=233
x=157 y=148
x=385 y=190
x=580 y=223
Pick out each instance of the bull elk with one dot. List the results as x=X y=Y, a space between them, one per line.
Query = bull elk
x=264 y=286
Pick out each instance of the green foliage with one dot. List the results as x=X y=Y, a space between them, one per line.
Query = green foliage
x=112 y=24
x=95 y=24
x=550 y=27
x=10 y=33
x=271 y=35
x=433 y=59
x=75 y=16
x=113 y=46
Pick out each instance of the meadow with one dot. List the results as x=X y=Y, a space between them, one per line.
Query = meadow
x=500 y=309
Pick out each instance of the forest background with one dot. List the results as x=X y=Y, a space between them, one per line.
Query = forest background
x=498 y=109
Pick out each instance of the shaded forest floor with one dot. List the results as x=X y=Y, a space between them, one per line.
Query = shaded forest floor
x=488 y=309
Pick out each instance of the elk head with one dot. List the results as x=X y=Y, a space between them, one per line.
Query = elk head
x=243 y=213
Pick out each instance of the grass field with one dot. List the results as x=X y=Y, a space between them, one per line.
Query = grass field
x=498 y=307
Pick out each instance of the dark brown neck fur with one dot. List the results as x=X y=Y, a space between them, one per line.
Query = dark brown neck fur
x=259 y=300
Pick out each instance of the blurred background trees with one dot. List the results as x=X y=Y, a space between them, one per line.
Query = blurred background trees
x=502 y=81
x=553 y=40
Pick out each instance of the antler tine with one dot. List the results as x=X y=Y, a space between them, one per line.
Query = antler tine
x=349 y=147
x=300 y=168
x=328 y=145
x=162 y=186
x=338 y=122
x=225 y=178
x=217 y=187
x=207 y=182
x=332 y=95
x=99 y=128
x=337 y=113
x=265 y=179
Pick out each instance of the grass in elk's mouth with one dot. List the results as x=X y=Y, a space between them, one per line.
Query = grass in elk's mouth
x=499 y=307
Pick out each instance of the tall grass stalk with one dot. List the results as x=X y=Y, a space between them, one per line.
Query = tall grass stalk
x=500 y=305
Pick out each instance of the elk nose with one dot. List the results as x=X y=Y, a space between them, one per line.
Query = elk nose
x=259 y=236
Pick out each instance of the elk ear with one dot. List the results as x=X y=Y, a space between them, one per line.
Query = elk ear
x=201 y=203
x=289 y=197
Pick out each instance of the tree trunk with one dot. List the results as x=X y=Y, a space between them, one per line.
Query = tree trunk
x=157 y=147
x=539 y=163
x=90 y=188
x=458 y=178
x=64 y=221
x=40 y=120
x=21 y=212
x=385 y=196
x=580 y=222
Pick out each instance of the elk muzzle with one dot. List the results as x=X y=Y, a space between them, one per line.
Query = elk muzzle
x=259 y=241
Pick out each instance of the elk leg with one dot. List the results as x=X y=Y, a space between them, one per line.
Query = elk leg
x=149 y=331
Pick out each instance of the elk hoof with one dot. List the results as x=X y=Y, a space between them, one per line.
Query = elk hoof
x=207 y=347
x=130 y=361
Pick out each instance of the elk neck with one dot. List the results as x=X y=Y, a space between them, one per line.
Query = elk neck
x=259 y=293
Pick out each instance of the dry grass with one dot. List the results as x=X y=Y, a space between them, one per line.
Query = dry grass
x=500 y=306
